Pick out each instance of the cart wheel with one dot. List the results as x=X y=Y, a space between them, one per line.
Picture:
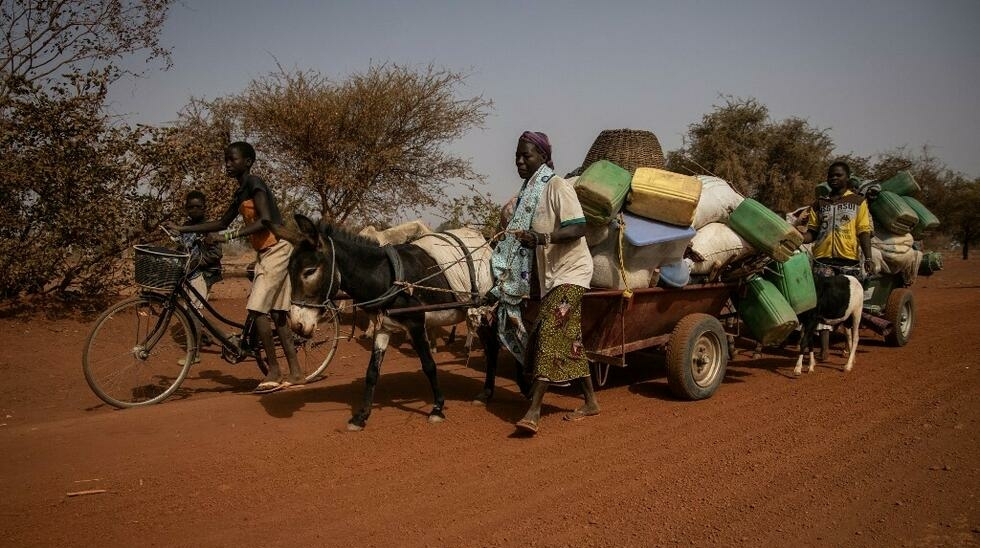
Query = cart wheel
x=601 y=372
x=900 y=312
x=696 y=357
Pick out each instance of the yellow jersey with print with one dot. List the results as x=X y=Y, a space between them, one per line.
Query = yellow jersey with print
x=838 y=220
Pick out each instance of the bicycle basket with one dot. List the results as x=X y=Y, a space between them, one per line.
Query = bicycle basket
x=158 y=267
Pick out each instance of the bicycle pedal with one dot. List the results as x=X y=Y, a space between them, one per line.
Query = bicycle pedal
x=233 y=357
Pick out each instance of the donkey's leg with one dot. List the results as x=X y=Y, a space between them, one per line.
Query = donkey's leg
x=852 y=332
x=805 y=347
x=492 y=346
x=420 y=342
x=359 y=419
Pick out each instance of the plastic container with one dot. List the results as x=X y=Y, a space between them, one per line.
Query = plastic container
x=822 y=190
x=931 y=262
x=795 y=281
x=676 y=274
x=890 y=211
x=901 y=183
x=602 y=188
x=765 y=230
x=647 y=245
x=928 y=220
x=658 y=243
x=766 y=312
x=664 y=196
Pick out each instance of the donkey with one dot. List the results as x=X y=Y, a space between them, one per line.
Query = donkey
x=839 y=298
x=400 y=234
x=326 y=258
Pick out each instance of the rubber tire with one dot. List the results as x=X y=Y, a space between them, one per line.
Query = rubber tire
x=695 y=338
x=102 y=339
x=322 y=346
x=901 y=313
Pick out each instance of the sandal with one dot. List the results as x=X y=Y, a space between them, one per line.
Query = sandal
x=267 y=387
x=527 y=425
x=579 y=415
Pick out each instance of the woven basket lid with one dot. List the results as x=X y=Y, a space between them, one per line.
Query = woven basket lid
x=628 y=148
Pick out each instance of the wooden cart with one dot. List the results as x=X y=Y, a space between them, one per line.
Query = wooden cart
x=684 y=322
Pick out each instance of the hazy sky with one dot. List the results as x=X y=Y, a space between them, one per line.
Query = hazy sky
x=877 y=74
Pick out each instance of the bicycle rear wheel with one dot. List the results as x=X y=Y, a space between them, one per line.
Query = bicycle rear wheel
x=131 y=357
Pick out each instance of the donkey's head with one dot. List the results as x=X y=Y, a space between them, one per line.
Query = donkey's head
x=314 y=277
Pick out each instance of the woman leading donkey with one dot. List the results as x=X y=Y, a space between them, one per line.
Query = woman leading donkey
x=544 y=235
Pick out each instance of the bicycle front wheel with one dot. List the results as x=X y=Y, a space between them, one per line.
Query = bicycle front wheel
x=316 y=352
x=137 y=354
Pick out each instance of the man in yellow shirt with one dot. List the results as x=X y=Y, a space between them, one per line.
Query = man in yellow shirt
x=840 y=224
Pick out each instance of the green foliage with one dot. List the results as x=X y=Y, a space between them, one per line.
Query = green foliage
x=779 y=163
x=475 y=210
x=76 y=188
x=47 y=41
x=364 y=150
x=774 y=162
x=68 y=190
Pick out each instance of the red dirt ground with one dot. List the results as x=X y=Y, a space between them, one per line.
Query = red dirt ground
x=886 y=455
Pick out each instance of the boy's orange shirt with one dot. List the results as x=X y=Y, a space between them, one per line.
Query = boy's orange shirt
x=262 y=239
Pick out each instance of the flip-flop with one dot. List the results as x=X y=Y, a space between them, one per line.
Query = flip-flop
x=578 y=415
x=267 y=387
x=527 y=426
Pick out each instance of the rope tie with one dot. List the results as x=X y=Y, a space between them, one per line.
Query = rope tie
x=627 y=292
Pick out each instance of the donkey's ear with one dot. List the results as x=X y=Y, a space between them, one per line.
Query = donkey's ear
x=309 y=229
x=281 y=231
x=306 y=226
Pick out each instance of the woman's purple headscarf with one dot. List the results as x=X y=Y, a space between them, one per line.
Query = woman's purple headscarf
x=540 y=140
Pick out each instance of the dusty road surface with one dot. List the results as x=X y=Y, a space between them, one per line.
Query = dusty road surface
x=886 y=455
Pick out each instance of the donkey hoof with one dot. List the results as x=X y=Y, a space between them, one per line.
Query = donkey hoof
x=355 y=425
x=482 y=398
x=436 y=417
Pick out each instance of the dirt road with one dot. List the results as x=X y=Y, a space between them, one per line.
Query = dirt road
x=886 y=455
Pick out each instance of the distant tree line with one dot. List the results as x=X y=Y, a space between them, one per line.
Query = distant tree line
x=780 y=162
x=80 y=187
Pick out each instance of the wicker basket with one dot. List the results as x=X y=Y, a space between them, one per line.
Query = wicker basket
x=159 y=268
x=628 y=148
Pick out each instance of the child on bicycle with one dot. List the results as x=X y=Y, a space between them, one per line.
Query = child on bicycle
x=205 y=256
x=270 y=295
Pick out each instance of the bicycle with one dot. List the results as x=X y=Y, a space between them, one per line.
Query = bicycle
x=141 y=349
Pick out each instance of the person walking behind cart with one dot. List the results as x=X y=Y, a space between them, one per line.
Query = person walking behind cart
x=546 y=232
x=205 y=257
x=840 y=226
x=270 y=295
